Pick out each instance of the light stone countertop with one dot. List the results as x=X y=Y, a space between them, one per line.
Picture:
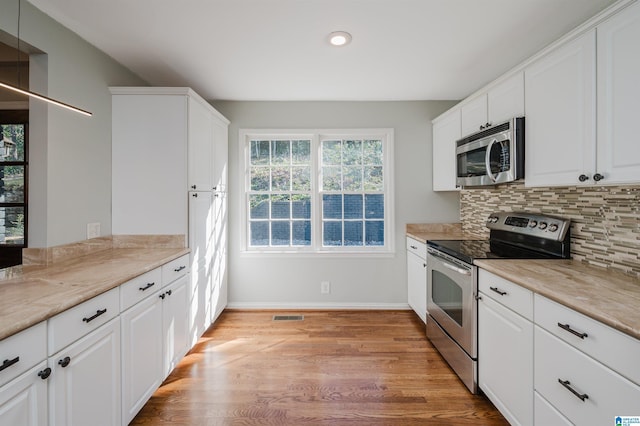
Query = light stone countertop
x=610 y=297
x=36 y=293
x=437 y=231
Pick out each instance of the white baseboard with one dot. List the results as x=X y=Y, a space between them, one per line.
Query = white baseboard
x=319 y=306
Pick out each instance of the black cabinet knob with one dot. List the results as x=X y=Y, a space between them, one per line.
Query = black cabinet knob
x=583 y=177
x=44 y=374
x=64 y=361
x=598 y=177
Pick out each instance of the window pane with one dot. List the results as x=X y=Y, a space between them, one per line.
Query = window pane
x=373 y=154
x=280 y=233
x=332 y=152
x=301 y=152
x=332 y=206
x=301 y=206
x=12 y=184
x=373 y=180
x=352 y=178
x=259 y=178
x=353 y=206
x=280 y=207
x=259 y=152
x=301 y=178
x=280 y=180
x=12 y=142
x=301 y=233
x=332 y=233
x=259 y=233
x=331 y=179
x=280 y=152
x=353 y=233
x=374 y=206
x=259 y=206
x=12 y=225
x=374 y=233
x=352 y=153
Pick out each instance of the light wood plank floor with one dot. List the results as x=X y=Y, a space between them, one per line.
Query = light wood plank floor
x=333 y=368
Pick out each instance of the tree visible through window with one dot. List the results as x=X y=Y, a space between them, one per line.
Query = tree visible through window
x=321 y=192
x=13 y=185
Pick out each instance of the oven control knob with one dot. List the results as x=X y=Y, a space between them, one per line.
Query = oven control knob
x=533 y=224
x=542 y=225
x=553 y=227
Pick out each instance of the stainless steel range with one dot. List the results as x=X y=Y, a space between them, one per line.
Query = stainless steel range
x=452 y=285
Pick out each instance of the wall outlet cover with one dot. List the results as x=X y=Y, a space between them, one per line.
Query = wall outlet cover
x=93 y=230
x=325 y=287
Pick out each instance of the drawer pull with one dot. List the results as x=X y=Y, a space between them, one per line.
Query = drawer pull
x=168 y=293
x=9 y=362
x=497 y=290
x=64 y=361
x=44 y=374
x=162 y=296
x=98 y=313
x=414 y=247
x=179 y=269
x=148 y=286
x=567 y=385
x=568 y=328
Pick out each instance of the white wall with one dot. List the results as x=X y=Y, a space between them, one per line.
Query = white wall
x=283 y=281
x=70 y=155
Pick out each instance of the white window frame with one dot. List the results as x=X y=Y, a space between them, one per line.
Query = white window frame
x=316 y=135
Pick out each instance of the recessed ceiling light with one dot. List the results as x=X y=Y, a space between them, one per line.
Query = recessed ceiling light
x=339 y=38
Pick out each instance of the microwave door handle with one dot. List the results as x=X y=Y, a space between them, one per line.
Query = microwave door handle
x=455 y=268
x=487 y=160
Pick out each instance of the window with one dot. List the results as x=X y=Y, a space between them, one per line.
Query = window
x=318 y=191
x=13 y=185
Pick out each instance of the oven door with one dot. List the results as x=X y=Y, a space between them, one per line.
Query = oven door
x=451 y=292
x=486 y=161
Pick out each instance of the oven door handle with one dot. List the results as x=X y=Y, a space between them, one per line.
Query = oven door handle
x=487 y=160
x=455 y=268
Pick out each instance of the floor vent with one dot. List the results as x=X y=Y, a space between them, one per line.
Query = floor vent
x=288 y=317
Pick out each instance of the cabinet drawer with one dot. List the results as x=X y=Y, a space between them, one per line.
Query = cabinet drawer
x=616 y=350
x=417 y=247
x=545 y=414
x=175 y=269
x=592 y=393
x=139 y=288
x=22 y=351
x=510 y=295
x=74 y=323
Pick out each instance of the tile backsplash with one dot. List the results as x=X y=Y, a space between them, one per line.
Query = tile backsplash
x=605 y=220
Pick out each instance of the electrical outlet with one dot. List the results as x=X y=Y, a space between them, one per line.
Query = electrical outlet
x=325 y=287
x=93 y=230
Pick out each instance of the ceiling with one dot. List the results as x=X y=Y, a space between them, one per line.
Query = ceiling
x=278 y=49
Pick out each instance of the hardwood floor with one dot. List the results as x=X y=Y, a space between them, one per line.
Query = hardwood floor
x=332 y=368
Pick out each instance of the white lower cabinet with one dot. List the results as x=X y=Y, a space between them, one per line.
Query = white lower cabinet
x=175 y=324
x=417 y=277
x=84 y=387
x=23 y=401
x=546 y=414
x=505 y=347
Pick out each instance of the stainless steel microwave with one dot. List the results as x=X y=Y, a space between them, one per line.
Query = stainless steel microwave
x=491 y=156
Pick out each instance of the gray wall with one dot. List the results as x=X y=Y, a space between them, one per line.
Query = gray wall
x=70 y=155
x=281 y=281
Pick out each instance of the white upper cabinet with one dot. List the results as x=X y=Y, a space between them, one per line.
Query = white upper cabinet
x=200 y=146
x=619 y=97
x=560 y=112
x=501 y=102
x=446 y=131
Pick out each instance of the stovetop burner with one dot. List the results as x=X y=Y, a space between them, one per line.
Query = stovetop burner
x=468 y=250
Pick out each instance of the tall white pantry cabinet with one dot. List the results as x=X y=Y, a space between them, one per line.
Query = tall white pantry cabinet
x=169 y=162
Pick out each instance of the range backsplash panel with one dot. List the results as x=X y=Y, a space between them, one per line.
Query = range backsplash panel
x=605 y=228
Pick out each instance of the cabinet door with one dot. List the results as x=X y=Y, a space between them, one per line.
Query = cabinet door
x=175 y=323
x=85 y=387
x=220 y=202
x=23 y=401
x=505 y=360
x=619 y=97
x=446 y=131
x=141 y=354
x=200 y=147
x=506 y=100
x=560 y=109
x=417 y=285
x=474 y=115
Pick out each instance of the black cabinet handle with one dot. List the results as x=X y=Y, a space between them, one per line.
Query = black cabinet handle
x=148 y=286
x=567 y=385
x=168 y=293
x=195 y=195
x=44 y=374
x=64 y=361
x=193 y=187
x=598 y=177
x=478 y=297
x=162 y=296
x=9 y=362
x=424 y=265
x=568 y=328
x=179 y=269
x=414 y=247
x=98 y=313
x=501 y=293
x=583 y=178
